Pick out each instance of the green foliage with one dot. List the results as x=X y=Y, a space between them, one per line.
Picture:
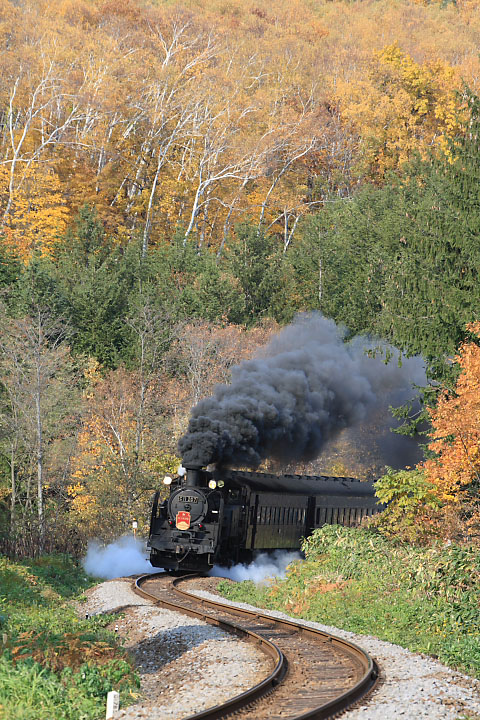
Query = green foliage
x=85 y=243
x=408 y=493
x=219 y=296
x=9 y=266
x=29 y=691
x=59 y=572
x=402 y=261
x=425 y=599
x=54 y=666
x=254 y=262
x=36 y=289
x=338 y=265
x=96 y=280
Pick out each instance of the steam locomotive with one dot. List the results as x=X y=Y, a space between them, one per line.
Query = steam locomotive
x=227 y=516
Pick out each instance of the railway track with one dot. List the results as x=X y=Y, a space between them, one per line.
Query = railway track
x=314 y=674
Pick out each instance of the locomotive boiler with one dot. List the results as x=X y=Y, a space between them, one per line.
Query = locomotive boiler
x=227 y=516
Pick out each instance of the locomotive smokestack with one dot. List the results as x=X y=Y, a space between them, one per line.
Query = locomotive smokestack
x=193 y=474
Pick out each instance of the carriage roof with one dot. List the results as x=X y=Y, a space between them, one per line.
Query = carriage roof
x=298 y=484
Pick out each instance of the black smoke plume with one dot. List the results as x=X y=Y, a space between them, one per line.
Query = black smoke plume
x=308 y=385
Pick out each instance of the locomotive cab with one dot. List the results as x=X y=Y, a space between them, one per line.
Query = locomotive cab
x=185 y=530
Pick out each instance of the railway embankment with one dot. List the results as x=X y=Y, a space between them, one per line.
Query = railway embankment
x=182 y=670
x=415 y=610
x=424 y=599
x=54 y=663
x=410 y=685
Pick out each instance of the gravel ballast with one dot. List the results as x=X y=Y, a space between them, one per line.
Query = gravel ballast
x=412 y=686
x=186 y=665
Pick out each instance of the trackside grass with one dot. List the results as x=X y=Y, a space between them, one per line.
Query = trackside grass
x=54 y=666
x=424 y=599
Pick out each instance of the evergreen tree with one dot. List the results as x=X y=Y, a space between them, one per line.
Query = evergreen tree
x=97 y=277
x=10 y=267
x=338 y=266
x=403 y=261
x=431 y=290
x=36 y=288
x=254 y=261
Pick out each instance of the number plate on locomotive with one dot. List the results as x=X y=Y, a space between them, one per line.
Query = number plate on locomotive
x=182 y=521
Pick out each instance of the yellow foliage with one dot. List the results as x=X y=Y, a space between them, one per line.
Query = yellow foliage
x=162 y=464
x=230 y=90
x=401 y=107
x=38 y=216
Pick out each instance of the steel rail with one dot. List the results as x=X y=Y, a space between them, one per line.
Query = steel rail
x=254 y=693
x=362 y=687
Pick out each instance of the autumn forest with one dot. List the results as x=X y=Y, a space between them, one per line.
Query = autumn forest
x=177 y=181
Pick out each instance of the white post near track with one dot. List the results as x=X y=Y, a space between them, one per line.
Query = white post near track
x=113 y=703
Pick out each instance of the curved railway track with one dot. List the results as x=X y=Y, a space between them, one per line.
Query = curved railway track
x=314 y=674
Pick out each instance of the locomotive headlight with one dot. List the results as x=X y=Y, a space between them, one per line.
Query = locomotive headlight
x=212 y=484
x=167 y=480
x=221 y=483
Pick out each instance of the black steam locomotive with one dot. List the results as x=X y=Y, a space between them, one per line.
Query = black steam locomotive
x=225 y=517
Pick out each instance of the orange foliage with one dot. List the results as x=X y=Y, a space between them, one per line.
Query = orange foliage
x=69 y=650
x=455 y=471
x=118 y=459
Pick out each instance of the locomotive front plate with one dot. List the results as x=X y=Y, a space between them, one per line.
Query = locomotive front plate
x=182 y=521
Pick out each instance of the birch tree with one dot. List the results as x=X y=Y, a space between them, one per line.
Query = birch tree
x=36 y=373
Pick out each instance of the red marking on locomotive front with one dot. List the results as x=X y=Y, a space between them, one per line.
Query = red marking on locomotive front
x=182 y=521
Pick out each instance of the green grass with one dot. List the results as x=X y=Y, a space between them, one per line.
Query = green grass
x=53 y=664
x=425 y=599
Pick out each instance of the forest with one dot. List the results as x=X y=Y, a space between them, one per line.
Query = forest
x=178 y=180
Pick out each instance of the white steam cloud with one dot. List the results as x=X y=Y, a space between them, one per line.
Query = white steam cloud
x=265 y=567
x=126 y=556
